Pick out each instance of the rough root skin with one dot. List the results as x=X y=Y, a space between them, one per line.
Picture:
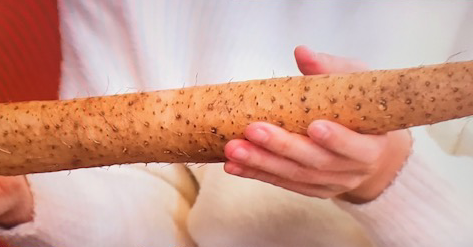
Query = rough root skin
x=192 y=125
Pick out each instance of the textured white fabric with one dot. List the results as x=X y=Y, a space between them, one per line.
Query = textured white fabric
x=425 y=206
x=118 y=46
x=116 y=206
x=232 y=211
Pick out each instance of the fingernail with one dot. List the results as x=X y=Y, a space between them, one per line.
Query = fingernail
x=240 y=154
x=258 y=135
x=320 y=132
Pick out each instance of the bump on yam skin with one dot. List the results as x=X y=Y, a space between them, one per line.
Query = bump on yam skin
x=194 y=124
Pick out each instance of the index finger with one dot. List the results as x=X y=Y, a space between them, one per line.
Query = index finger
x=347 y=143
x=311 y=63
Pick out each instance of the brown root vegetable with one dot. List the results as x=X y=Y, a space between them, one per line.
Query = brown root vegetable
x=194 y=124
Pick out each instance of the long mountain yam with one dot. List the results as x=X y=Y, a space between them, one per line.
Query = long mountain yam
x=194 y=124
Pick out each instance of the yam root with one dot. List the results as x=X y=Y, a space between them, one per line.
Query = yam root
x=194 y=124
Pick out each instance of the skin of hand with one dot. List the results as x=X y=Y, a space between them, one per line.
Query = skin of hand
x=331 y=161
x=16 y=201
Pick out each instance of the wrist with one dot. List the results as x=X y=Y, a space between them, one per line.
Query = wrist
x=396 y=154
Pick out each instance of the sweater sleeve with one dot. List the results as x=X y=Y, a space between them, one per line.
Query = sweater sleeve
x=428 y=205
x=118 y=206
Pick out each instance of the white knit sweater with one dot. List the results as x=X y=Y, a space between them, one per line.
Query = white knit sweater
x=118 y=46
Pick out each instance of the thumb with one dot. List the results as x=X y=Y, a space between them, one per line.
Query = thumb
x=311 y=63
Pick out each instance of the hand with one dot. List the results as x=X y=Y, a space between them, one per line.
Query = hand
x=331 y=161
x=16 y=201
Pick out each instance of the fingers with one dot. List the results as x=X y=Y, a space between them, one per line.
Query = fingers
x=300 y=149
x=256 y=158
x=311 y=63
x=243 y=152
x=286 y=144
x=311 y=190
x=332 y=161
x=345 y=142
x=304 y=151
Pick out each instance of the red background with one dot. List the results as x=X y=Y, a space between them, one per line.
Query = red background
x=30 y=51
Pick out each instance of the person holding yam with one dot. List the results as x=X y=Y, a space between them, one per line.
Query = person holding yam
x=318 y=181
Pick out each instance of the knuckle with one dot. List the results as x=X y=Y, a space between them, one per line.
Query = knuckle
x=377 y=152
x=326 y=162
x=336 y=142
x=299 y=174
x=246 y=173
x=325 y=178
x=352 y=183
x=336 y=187
x=252 y=173
x=255 y=160
x=370 y=169
x=282 y=145
x=376 y=156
